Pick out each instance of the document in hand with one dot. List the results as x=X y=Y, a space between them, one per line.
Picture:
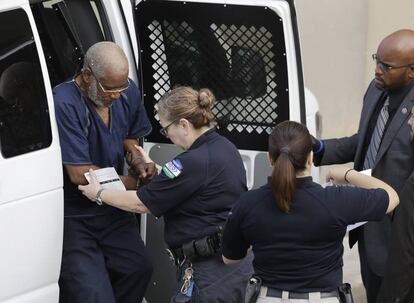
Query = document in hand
x=358 y=224
x=108 y=178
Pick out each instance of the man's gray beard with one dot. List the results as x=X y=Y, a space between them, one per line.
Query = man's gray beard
x=93 y=95
x=98 y=103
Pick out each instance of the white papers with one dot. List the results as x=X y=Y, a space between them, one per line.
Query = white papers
x=358 y=224
x=355 y=225
x=366 y=172
x=108 y=178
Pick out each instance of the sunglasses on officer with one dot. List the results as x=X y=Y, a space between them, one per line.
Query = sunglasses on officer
x=385 y=67
x=110 y=90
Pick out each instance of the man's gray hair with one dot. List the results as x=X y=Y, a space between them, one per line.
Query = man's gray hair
x=103 y=55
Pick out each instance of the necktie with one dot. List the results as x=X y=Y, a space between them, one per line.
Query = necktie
x=377 y=136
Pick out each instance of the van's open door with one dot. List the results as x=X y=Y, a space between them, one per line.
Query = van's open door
x=31 y=183
x=247 y=54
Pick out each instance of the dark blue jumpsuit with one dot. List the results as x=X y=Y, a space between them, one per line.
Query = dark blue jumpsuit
x=194 y=193
x=104 y=259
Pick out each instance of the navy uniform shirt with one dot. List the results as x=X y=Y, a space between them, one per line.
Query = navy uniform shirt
x=195 y=191
x=86 y=140
x=301 y=250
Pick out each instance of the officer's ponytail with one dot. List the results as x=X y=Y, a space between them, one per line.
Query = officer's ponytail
x=289 y=146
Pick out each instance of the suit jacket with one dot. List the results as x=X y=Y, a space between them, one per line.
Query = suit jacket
x=398 y=282
x=394 y=163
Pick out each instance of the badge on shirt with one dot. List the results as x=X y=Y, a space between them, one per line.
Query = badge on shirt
x=172 y=169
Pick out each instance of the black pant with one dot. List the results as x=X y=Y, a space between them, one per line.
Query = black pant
x=216 y=282
x=104 y=260
x=371 y=281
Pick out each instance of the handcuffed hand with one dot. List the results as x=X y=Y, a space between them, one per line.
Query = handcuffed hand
x=140 y=165
x=92 y=188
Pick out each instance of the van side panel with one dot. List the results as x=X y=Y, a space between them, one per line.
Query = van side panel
x=31 y=179
x=29 y=231
x=49 y=293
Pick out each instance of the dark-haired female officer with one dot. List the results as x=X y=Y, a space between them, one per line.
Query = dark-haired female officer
x=194 y=193
x=295 y=226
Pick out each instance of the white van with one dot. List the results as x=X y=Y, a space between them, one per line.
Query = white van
x=247 y=52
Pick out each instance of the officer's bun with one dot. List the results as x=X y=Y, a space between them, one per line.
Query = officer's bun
x=188 y=103
x=206 y=98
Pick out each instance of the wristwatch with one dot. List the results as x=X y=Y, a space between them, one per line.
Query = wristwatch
x=98 y=198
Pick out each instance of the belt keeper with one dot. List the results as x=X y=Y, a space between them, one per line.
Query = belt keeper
x=189 y=250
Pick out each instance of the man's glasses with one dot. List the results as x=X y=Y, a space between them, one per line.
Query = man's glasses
x=387 y=67
x=164 y=130
x=111 y=90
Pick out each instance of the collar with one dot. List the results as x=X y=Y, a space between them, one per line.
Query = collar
x=78 y=88
x=301 y=182
x=203 y=138
x=304 y=181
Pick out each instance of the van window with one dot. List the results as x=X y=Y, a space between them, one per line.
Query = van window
x=240 y=55
x=24 y=113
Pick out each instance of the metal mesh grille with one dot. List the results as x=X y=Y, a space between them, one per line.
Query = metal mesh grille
x=253 y=111
x=253 y=114
x=239 y=54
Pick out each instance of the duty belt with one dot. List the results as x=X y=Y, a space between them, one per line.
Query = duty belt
x=197 y=249
x=277 y=293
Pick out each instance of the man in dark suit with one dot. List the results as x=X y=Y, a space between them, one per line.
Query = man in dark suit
x=398 y=282
x=382 y=143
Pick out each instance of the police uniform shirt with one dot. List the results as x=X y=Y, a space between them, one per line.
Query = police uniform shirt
x=301 y=250
x=86 y=140
x=195 y=191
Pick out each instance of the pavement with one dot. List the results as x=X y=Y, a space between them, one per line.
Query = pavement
x=352 y=273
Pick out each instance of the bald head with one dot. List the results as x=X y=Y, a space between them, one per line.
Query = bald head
x=400 y=44
x=395 y=61
x=104 y=57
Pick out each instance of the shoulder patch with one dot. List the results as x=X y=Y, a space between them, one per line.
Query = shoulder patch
x=173 y=168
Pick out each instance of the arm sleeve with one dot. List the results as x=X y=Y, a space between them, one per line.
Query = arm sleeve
x=73 y=141
x=338 y=151
x=353 y=204
x=139 y=124
x=235 y=245
x=179 y=180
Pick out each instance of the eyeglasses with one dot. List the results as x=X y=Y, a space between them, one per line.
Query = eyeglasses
x=387 y=67
x=111 y=90
x=164 y=130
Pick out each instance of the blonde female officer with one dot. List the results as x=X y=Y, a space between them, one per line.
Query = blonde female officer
x=194 y=193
